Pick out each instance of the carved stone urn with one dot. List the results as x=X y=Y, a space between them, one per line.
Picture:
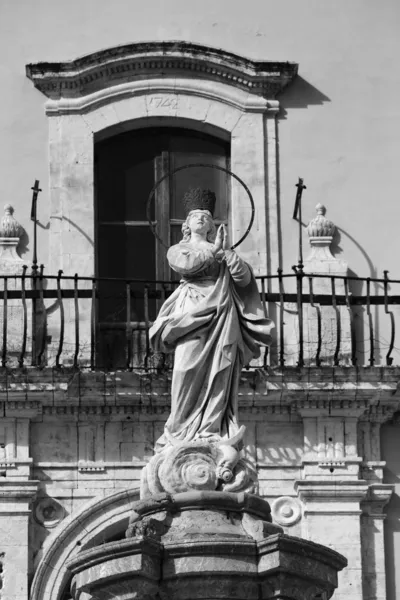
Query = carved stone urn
x=10 y=234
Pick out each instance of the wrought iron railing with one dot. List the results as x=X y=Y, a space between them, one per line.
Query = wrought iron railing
x=103 y=323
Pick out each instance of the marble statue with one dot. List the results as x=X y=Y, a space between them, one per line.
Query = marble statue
x=215 y=324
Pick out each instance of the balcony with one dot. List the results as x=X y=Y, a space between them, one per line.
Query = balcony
x=103 y=324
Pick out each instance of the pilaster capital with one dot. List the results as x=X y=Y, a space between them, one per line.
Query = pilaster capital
x=381 y=413
x=331 y=497
x=16 y=496
x=377 y=498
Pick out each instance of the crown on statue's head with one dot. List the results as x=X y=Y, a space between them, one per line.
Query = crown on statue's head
x=199 y=199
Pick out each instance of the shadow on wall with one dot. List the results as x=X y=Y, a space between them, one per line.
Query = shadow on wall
x=300 y=94
x=23 y=246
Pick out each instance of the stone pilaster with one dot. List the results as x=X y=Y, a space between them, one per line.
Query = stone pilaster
x=11 y=264
x=372 y=537
x=15 y=499
x=332 y=512
x=15 y=462
x=331 y=490
x=330 y=442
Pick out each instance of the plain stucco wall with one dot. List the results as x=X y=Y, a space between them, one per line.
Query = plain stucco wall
x=340 y=128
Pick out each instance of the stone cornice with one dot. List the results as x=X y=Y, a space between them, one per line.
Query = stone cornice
x=319 y=491
x=16 y=490
x=178 y=86
x=146 y=60
x=365 y=394
x=284 y=542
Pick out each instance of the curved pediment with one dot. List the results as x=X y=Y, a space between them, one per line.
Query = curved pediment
x=148 y=60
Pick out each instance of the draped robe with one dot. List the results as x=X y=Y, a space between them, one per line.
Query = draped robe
x=215 y=323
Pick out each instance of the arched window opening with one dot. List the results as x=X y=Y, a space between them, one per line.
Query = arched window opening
x=126 y=169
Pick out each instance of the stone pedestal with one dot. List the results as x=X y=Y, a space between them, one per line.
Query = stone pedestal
x=334 y=321
x=10 y=265
x=204 y=546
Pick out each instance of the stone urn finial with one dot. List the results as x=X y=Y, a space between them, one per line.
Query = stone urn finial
x=320 y=226
x=320 y=232
x=10 y=234
x=321 y=260
x=10 y=228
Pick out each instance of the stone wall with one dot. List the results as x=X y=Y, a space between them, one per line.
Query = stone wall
x=73 y=441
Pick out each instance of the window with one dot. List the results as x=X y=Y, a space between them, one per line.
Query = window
x=126 y=169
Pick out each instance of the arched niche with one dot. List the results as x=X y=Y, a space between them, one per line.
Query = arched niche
x=169 y=81
x=97 y=522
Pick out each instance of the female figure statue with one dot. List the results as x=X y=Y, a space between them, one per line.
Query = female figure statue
x=215 y=323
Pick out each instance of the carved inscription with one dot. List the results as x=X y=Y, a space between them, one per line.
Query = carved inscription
x=164 y=102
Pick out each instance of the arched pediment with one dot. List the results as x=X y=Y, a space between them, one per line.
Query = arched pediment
x=147 y=60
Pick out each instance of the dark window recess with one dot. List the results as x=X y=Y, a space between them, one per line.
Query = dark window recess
x=126 y=169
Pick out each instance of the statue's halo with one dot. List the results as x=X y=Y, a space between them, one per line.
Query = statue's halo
x=191 y=166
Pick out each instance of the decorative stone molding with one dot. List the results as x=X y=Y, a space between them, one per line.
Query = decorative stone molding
x=163 y=95
x=330 y=441
x=198 y=465
x=52 y=392
x=286 y=511
x=48 y=512
x=376 y=500
x=178 y=84
x=15 y=496
x=93 y=468
x=329 y=497
x=146 y=60
x=96 y=520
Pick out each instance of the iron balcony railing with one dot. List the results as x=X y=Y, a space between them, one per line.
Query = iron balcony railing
x=103 y=323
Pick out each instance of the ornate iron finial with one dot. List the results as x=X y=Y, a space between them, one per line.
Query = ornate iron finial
x=320 y=226
x=10 y=228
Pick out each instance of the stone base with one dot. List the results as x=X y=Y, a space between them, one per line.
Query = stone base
x=205 y=546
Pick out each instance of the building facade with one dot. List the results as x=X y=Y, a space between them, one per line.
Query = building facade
x=115 y=129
